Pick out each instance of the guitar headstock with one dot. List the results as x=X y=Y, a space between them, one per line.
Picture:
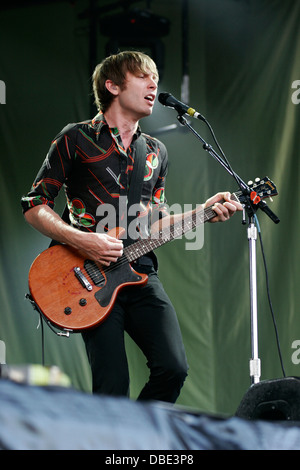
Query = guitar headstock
x=261 y=188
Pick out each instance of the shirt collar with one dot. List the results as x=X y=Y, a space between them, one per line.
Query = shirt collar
x=99 y=122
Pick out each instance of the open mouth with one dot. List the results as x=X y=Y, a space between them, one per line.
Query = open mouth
x=150 y=98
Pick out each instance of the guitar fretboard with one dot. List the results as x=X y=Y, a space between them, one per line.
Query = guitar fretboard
x=145 y=245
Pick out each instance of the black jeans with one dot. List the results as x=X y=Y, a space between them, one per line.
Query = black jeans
x=148 y=316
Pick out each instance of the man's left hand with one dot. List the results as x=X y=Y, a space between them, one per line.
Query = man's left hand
x=223 y=205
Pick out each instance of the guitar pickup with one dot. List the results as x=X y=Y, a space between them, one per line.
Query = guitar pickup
x=82 y=279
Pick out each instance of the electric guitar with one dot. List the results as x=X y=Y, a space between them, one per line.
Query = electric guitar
x=74 y=293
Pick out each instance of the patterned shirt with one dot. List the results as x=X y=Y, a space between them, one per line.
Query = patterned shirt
x=89 y=160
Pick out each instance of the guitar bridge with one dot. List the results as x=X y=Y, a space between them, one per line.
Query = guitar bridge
x=82 y=279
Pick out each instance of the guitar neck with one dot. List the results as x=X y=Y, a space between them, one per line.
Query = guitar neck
x=177 y=229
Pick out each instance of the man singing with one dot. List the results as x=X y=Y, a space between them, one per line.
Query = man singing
x=94 y=161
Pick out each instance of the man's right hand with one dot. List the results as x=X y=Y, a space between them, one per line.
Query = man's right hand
x=101 y=247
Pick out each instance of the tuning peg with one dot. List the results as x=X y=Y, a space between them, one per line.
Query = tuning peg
x=250 y=183
x=257 y=180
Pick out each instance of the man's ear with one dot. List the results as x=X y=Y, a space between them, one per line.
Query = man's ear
x=112 y=87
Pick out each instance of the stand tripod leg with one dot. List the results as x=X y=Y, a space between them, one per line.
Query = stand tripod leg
x=254 y=361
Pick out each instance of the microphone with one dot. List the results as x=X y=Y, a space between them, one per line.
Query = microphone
x=168 y=100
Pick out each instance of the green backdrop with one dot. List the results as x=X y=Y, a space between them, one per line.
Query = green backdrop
x=244 y=64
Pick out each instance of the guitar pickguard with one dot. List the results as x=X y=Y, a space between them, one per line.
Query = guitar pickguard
x=122 y=276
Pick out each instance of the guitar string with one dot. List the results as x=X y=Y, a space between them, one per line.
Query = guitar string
x=156 y=242
x=179 y=228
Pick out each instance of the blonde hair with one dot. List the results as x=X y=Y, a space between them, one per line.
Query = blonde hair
x=115 y=68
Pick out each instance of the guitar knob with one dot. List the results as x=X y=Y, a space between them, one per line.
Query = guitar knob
x=82 y=302
x=257 y=180
x=250 y=183
x=67 y=310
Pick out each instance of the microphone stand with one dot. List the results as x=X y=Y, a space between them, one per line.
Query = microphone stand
x=250 y=208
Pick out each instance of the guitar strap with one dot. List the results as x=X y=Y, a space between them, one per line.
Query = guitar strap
x=137 y=179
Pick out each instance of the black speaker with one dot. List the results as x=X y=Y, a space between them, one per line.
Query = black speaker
x=272 y=400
